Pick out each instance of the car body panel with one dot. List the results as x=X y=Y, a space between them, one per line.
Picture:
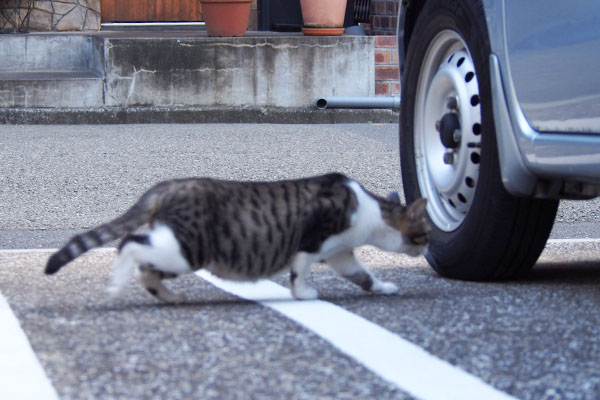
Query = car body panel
x=567 y=165
x=554 y=59
x=556 y=151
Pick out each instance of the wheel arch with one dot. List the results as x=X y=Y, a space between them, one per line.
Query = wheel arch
x=408 y=13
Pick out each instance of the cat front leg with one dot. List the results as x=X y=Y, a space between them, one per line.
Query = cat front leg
x=347 y=265
x=299 y=267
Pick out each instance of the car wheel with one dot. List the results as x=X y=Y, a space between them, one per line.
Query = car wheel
x=448 y=151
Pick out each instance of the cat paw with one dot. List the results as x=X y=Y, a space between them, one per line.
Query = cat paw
x=384 y=288
x=175 y=298
x=165 y=295
x=306 y=293
x=114 y=291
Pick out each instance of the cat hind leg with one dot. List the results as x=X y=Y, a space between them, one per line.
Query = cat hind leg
x=151 y=280
x=125 y=264
x=348 y=266
x=160 y=250
x=123 y=269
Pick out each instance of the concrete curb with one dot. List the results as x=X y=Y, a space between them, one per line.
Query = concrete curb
x=183 y=115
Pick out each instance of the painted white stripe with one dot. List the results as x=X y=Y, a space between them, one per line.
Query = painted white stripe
x=388 y=355
x=27 y=251
x=570 y=241
x=21 y=374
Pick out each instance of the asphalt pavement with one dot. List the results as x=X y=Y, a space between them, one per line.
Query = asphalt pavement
x=536 y=338
x=56 y=180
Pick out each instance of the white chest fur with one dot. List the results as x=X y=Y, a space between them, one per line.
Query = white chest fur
x=366 y=227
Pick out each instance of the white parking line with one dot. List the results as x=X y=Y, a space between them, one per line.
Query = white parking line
x=21 y=374
x=395 y=359
x=388 y=355
x=570 y=241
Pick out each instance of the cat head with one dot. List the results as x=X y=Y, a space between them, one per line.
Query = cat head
x=411 y=222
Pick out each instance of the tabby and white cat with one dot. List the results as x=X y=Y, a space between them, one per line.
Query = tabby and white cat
x=251 y=230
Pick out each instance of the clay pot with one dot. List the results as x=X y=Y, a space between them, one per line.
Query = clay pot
x=226 y=17
x=323 y=17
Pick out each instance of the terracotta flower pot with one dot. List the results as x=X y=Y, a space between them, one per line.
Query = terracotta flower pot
x=226 y=17
x=323 y=17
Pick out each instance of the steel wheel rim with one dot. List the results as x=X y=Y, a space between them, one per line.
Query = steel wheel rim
x=447 y=76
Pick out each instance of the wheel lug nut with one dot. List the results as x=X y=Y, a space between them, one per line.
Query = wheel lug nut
x=449 y=157
x=452 y=103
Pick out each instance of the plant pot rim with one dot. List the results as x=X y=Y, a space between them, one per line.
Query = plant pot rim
x=225 y=1
x=323 y=31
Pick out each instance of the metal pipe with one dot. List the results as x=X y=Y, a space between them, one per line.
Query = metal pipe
x=392 y=102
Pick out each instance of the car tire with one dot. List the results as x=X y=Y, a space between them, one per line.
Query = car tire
x=479 y=230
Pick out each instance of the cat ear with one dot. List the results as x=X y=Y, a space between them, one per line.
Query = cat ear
x=393 y=197
x=416 y=209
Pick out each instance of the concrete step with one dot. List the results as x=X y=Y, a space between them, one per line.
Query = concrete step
x=51 y=70
x=49 y=52
x=53 y=89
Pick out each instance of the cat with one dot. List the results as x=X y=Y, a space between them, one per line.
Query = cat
x=252 y=230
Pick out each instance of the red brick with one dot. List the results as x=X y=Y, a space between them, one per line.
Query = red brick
x=386 y=73
x=395 y=57
x=382 y=89
x=383 y=56
x=395 y=88
x=385 y=41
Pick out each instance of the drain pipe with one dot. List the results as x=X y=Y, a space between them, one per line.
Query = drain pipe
x=392 y=102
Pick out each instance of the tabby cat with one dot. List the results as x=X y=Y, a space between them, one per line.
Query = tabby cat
x=251 y=230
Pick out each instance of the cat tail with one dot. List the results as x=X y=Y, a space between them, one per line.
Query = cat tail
x=139 y=214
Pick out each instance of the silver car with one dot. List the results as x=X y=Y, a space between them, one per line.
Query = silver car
x=499 y=120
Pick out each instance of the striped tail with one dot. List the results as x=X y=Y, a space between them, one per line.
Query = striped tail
x=133 y=218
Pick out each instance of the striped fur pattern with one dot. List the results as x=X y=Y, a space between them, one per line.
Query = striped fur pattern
x=251 y=230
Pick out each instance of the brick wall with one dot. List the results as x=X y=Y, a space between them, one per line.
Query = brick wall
x=253 y=20
x=383 y=20
x=384 y=17
x=386 y=66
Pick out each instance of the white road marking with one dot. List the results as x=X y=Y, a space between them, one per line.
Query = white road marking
x=395 y=359
x=28 y=251
x=21 y=374
x=386 y=354
x=571 y=241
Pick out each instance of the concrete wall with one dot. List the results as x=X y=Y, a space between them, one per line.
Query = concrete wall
x=253 y=71
x=174 y=70
x=31 y=53
x=51 y=71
